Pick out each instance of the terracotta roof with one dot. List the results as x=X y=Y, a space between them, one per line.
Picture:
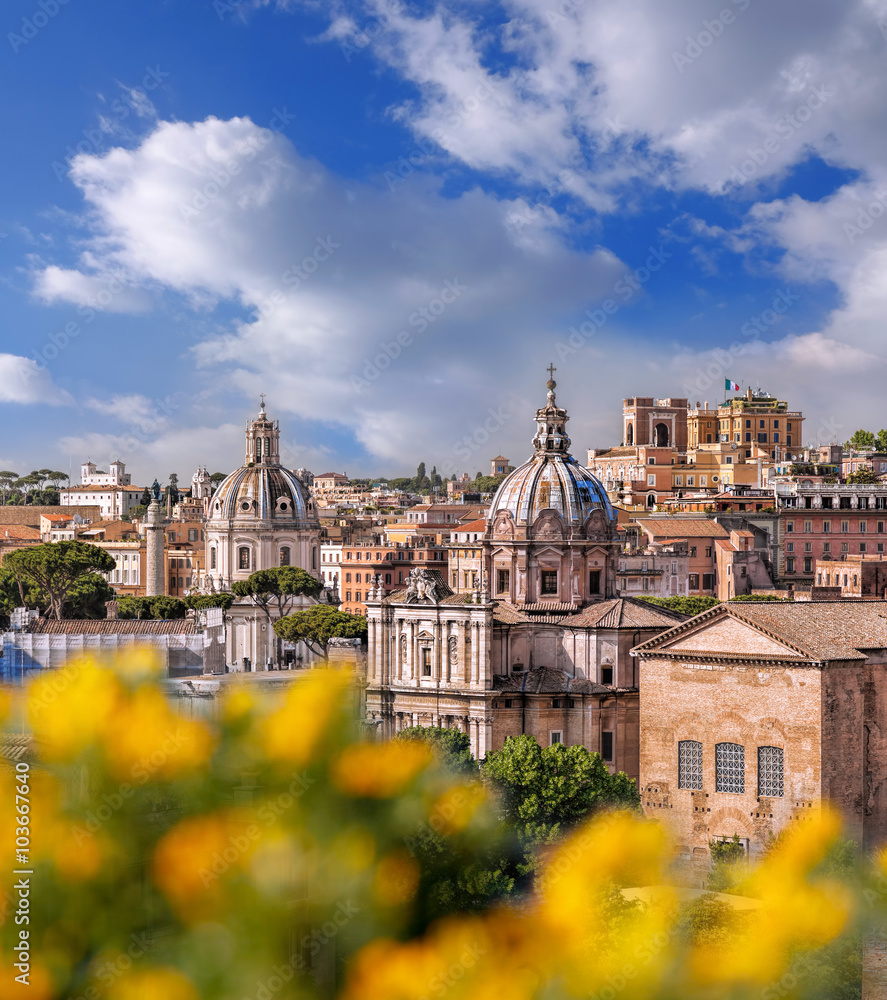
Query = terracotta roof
x=817 y=630
x=624 y=612
x=478 y=526
x=21 y=532
x=113 y=626
x=686 y=527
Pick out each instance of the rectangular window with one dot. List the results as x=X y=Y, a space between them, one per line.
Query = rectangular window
x=827 y=503
x=845 y=527
x=426 y=661
x=679 y=480
x=863 y=527
x=808 y=526
x=689 y=764
x=790 y=526
x=607 y=746
x=708 y=581
x=556 y=736
x=747 y=438
x=548 y=581
x=651 y=480
x=770 y=772
x=693 y=581
x=703 y=480
x=808 y=546
x=691 y=480
x=880 y=527
x=607 y=675
x=555 y=703
x=790 y=546
x=730 y=768
x=594 y=581
x=692 y=551
x=845 y=546
x=357 y=596
x=826 y=546
x=502 y=581
x=862 y=546
x=826 y=526
x=789 y=565
x=507 y=703
x=808 y=564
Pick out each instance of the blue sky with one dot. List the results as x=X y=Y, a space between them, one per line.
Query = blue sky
x=391 y=216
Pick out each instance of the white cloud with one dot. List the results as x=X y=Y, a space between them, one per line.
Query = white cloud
x=103 y=292
x=330 y=274
x=23 y=381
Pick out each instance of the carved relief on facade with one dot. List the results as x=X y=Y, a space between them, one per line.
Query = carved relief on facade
x=548 y=525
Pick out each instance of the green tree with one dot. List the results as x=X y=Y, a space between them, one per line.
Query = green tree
x=420 y=472
x=56 y=568
x=728 y=864
x=86 y=599
x=684 y=605
x=318 y=624
x=276 y=590
x=863 y=477
x=146 y=498
x=7 y=484
x=881 y=441
x=545 y=791
x=158 y=608
x=861 y=439
x=452 y=747
x=200 y=602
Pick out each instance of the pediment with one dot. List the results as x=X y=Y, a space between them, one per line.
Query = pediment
x=728 y=636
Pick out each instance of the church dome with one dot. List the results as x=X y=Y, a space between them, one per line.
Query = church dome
x=262 y=489
x=551 y=479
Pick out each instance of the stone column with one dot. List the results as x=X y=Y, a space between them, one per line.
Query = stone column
x=155 y=572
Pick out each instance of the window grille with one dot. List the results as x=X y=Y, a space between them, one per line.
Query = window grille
x=770 y=772
x=689 y=764
x=729 y=768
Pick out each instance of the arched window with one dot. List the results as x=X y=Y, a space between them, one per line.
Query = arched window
x=258 y=447
x=660 y=435
x=243 y=557
x=314 y=558
x=212 y=557
x=689 y=764
x=629 y=434
x=285 y=556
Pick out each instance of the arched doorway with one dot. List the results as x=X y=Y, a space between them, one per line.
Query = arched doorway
x=651 y=499
x=660 y=435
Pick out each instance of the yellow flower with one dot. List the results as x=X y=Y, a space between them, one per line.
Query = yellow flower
x=70 y=708
x=154 y=984
x=379 y=770
x=146 y=739
x=456 y=807
x=294 y=732
x=237 y=702
x=193 y=860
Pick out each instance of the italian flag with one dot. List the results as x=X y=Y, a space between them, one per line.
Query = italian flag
x=731 y=386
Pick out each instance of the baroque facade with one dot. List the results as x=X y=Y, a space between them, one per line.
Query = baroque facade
x=541 y=644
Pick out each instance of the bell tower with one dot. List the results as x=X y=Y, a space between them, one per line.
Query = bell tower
x=262 y=439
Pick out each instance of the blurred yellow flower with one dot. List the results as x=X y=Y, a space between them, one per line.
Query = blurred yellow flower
x=154 y=984
x=193 y=860
x=294 y=732
x=456 y=807
x=379 y=770
x=146 y=739
x=70 y=708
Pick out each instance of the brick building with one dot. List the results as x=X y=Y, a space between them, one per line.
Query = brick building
x=856 y=576
x=699 y=534
x=829 y=520
x=465 y=562
x=753 y=714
